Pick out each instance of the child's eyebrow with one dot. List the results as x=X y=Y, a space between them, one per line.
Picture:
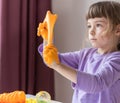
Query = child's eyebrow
x=100 y=21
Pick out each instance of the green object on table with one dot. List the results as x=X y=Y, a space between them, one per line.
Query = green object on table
x=42 y=101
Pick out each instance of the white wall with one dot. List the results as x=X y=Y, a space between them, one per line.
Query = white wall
x=69 y=32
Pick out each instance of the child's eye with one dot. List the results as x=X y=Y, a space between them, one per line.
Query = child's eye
x=88 y=26
x=98 y=25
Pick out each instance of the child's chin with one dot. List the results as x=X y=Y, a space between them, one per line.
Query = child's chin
x=94 y=45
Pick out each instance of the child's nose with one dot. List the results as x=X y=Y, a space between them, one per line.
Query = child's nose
x=92 y=31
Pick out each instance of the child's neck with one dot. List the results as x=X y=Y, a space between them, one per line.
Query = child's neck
x=106 y=50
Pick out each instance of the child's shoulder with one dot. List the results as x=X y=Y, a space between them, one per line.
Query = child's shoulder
x=113 y=60
x=114 y=55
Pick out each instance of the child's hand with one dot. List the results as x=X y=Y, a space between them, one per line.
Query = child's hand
x=43 y=30
x=50 y=55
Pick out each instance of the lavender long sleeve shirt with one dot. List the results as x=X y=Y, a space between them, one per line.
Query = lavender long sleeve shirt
x=98 y=77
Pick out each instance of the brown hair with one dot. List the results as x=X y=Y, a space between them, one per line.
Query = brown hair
x=107 y=9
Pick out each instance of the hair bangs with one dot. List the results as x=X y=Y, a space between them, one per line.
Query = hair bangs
x=96 y=11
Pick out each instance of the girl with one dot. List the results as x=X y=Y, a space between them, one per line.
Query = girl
x=94 y=72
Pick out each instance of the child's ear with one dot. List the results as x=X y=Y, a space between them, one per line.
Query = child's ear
x=117 y=31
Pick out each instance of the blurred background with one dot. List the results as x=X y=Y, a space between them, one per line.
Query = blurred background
x=21 y=66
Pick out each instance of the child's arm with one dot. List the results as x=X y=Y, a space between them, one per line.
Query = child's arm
x=50 y=53
x=51 y=59
x=67 y=72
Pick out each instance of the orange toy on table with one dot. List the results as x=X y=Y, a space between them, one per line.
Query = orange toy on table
x=20 y=97
x=45 y=29
x=13 y=97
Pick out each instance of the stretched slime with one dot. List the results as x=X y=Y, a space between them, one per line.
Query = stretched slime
x=45 y=29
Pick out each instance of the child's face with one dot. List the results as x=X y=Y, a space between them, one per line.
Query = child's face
x=97 y=34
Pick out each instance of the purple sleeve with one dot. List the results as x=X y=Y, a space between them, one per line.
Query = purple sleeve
x=40 y=48
x=75 y=59
x=70 y=59
x=107 y=77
